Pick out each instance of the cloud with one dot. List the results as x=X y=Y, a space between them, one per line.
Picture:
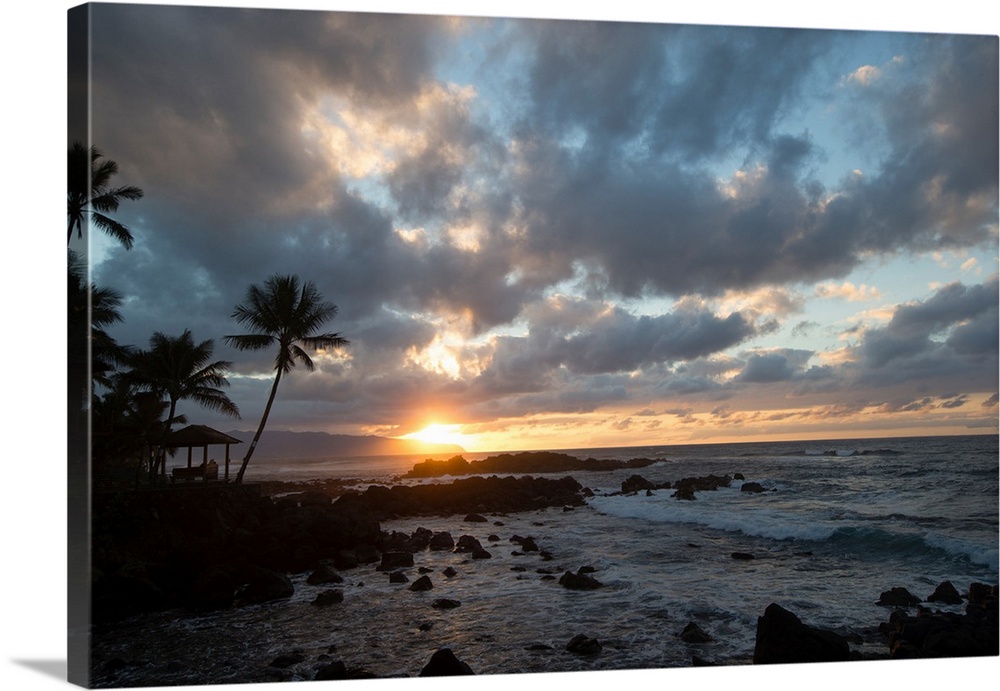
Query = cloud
x=848 y=291
x=954 y=331
x=774 y=366
x=544 y=216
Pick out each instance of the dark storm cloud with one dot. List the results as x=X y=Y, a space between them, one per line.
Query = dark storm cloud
x=732 y=87
x=619 y=342
x=638 y=200
x=766 y=368
x=951 y=332
x=614 y=340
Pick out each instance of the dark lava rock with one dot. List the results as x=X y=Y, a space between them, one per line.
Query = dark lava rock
x=443 y=663
x=324 y=574
x=527 y=544
x=338 y=671
x=475 y=518
x=754 y=487
x=367 y=554
x=935 y=634
x=474 y=494
x=683 y=493
x=445 y=603
x=636 y=483
x=395 y=560
x=584 y=645
x=693 y=633
x=398 y=577
x=742 y=556
x=331 y=672
x=264 y=585
x=287 y=660
x=442 y=541
x=579 y=581
x=782 y=638
x=449 y=572
x=421 y=584
x=346 y=559
x=946 y=593
x=981 y=594
x=467 y=544
x=702 y=484
x=329 y=597
x=898 y=597
x=493 y=538
x=538 y=647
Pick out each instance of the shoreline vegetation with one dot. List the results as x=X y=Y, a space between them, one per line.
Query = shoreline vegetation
x=207 y=547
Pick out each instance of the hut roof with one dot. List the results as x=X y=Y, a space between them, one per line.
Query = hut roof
x=199 y=435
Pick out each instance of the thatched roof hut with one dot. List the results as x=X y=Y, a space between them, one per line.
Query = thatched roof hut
x=195 y=436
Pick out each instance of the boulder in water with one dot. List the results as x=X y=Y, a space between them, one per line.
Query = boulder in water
x=898 y=597
x=782 y=638
x=579 y=581
x=584 y=645
x=693 y=633
x=443 y=663
x=946 y=593
x=421 y=584
x=328 y=597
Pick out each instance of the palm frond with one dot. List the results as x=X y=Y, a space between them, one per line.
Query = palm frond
x=249 y=341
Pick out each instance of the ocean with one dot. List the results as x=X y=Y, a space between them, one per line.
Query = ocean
x=839 y=523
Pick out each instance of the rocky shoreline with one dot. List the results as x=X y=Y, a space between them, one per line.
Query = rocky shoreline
x=205 y=549
x=522 y=462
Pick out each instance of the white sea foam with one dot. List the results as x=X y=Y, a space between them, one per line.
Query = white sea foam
x=976 y=552
x=723 y=511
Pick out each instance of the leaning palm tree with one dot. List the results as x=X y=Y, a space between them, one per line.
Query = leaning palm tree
x=89 y=193
x=285 y=314
x=177 y=368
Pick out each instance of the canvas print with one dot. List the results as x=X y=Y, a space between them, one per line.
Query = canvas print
x=409 y=345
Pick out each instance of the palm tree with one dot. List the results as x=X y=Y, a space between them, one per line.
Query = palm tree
x=90 y=310
x=177 y=368
x=89 y=193
x=286 y=314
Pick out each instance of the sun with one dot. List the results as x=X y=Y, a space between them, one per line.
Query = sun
x=436 y=433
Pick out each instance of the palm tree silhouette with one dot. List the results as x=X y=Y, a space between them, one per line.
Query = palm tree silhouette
x=96 y=199
x=92 y=351
x=283 y=313
x=177 y=368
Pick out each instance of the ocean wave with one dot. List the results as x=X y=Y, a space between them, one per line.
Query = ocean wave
x=984 y=555
x=904 y=537
x=845 y=453
x=758 y=522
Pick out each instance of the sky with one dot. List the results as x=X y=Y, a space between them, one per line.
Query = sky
x=565 y=233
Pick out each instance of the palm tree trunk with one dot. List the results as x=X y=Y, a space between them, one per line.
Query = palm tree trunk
x=260 y=429
x=160 y=463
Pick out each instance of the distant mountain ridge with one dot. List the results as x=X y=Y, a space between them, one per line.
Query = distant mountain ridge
x=284 y=444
